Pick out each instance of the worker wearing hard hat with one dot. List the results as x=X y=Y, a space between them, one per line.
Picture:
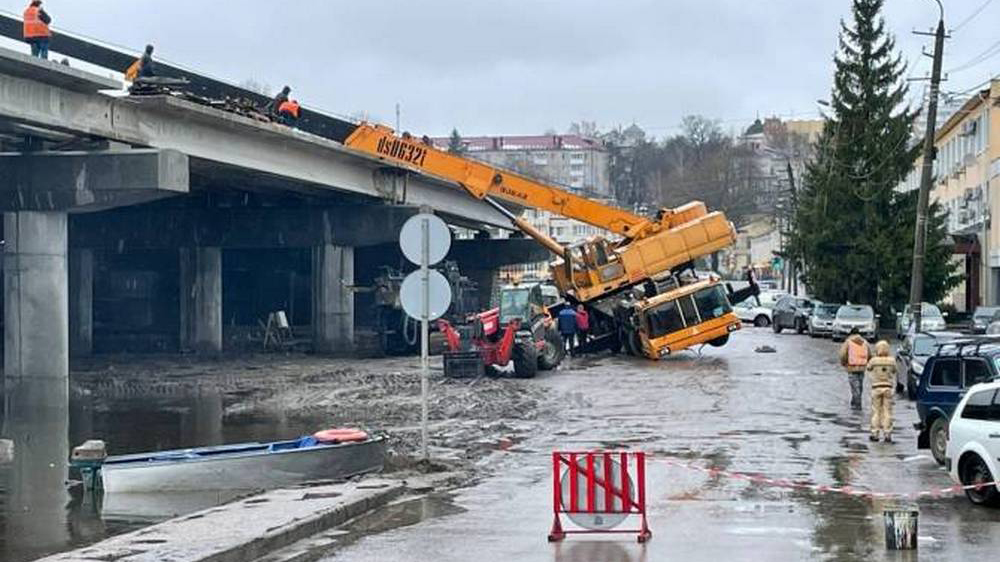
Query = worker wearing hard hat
x=36 y=29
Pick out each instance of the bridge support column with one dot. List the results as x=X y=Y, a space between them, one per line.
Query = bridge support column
x=36 y=304
x=333 y=299
x=81 y=302
x=201 y=299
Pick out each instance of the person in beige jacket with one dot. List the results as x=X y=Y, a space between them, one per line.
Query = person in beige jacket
x=882 y=374
x=854 y=355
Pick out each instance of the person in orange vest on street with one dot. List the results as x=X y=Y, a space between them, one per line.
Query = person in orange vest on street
x=36 y=29
x=288 y=111
x=854 y=356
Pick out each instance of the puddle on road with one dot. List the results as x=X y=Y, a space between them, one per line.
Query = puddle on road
x=394 y=516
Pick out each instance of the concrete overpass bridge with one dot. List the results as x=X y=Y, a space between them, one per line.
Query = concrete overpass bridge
x=158 y=223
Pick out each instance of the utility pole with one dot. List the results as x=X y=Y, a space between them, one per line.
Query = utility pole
x=397 y=117
x=926 y=178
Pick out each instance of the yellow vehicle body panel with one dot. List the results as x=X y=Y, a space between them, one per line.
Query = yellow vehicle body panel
x=691 y=336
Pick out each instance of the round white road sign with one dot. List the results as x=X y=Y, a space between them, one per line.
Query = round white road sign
x=411 y=295
x=438 y=238
x=598 y=520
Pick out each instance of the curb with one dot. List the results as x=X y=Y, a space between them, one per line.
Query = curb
x=279 y=519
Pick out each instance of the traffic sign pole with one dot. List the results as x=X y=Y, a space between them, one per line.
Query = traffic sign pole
x=424 y=329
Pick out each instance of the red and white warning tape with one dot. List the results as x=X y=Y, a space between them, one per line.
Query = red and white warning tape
x=816 y=488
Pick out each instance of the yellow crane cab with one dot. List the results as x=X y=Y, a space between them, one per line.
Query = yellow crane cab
x=694 y=314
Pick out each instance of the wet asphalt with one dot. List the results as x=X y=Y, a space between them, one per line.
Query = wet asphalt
x=783 y=415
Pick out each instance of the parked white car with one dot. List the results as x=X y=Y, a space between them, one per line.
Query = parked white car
x=931 y=319
x=974 y=443
x=760 y=316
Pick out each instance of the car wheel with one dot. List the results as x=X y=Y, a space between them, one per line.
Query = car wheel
x=939 y=439
x=761 y=321
x=776 y=324
x=975 y=471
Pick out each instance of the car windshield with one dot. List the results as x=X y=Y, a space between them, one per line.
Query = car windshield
x=985 y=312
x=855 y=313
x=926 y=345
x=513 y=304
x=826 y=310
x=930 y=311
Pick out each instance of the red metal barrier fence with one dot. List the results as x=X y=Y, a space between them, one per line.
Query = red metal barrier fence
x=598 y=491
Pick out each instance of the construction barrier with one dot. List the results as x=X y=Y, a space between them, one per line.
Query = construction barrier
x=597 y=491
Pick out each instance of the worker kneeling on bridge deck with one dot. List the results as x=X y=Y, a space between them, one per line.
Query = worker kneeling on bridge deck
x=272 y=106
x=36 y=29
x=882 y=373
x=288 y=112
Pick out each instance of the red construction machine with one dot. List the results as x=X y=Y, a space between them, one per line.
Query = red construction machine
x=521 y=330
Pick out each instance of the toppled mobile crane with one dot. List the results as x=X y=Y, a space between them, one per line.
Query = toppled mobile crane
x=635 y=286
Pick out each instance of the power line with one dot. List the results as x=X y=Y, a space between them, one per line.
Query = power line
x=971 y=16
x=985 y=55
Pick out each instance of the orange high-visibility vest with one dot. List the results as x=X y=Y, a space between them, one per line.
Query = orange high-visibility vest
x=132 y=72
x=34 y=27
x=290 y=107
x=857 y=354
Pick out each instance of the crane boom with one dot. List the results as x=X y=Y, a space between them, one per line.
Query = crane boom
x=483 y=180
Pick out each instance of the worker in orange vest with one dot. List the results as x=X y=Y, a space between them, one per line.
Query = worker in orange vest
x=288 y=111
x=36 y=29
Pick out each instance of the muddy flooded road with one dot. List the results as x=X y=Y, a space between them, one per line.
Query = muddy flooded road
x=784 y=415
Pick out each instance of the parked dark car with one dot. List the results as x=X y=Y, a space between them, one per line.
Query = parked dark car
x=912 y=355
x=946 y=376
x=982 y=317
x=791 y=312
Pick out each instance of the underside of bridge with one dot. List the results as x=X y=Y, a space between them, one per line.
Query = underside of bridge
x=154 y=226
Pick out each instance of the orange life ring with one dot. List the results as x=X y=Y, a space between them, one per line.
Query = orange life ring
x=340 y=435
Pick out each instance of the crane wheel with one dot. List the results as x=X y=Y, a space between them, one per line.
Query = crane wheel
x=719 y=341
x=525 y=358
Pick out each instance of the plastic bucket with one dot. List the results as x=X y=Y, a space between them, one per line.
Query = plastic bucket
x=901 y=527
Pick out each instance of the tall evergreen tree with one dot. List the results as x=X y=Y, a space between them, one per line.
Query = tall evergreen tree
x=455 y=142
x=852 y=231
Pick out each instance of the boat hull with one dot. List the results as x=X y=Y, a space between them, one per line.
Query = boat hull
x=236 y=468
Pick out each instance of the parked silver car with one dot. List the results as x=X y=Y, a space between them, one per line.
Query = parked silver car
x=851 y=316
x=821 y=319
x=983 y=317
x=931 y=319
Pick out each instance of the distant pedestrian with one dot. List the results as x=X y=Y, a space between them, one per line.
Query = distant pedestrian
x=567 y=326
x=882 y=374
x=274 y=105
x=288 y=112
x=582 y=324
x=36 y=29
x=854 y=355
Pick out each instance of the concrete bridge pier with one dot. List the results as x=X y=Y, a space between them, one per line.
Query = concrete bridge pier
x=36 y=295
x=201 y=299
x=81 y=311
x=333 y=299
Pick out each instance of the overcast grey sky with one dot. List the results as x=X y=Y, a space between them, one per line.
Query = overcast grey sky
x=524 y=66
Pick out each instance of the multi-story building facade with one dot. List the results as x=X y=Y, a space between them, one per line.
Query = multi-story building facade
x=571 y=161
x=965 y=171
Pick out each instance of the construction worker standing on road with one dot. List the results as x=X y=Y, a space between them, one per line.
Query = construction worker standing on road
x=582 y=324
x=854 y=355
x=567 y=326
x=36 y=29
x=882 y=374
x=289 y=112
